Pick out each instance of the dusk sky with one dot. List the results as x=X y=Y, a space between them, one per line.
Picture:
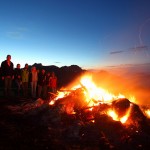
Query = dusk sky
x=88 y=33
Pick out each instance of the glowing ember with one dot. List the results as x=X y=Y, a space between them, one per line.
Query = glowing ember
x=52 y=102
x=147 y=112
x=112 y=114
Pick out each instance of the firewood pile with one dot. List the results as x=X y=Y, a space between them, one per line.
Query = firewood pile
x=70 y=124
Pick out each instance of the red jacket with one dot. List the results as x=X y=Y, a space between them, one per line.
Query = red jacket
x=53 y=82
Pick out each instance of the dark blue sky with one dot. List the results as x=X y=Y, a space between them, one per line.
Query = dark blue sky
x=88 y=33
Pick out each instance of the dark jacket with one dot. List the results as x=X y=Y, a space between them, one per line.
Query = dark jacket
x=6 y=69
x=17 y=72
x=41 y=79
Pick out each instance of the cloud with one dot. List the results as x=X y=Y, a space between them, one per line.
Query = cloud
x=57 y=62
x=139 y=48
x=22 y=29
x=133 y=49
x=14 y=35
x=116 y=52
x=17 y=34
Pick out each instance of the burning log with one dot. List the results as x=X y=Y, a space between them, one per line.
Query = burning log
x=73 y=102
x=25 y=106
x=138 y=119
x=120 y=106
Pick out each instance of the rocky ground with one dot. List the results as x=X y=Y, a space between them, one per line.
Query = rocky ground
x=34 y=124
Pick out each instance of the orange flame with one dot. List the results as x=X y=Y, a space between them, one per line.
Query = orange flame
x=147 y=113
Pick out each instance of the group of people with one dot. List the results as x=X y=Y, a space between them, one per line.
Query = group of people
x=33 y=82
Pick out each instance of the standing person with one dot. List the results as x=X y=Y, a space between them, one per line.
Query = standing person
x=42 y=84
x=48 y=76
x=33 y=78
x=53 y=83
x=7 y=68
x=1 y=81
x=18 y=80
x=25 y=80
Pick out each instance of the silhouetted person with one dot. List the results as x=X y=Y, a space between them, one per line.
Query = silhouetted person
x=7 y=68
x=42 y=87
x=48 y=76
x=25 y=80
x=33 y=78
x=53 y=83
x=1 y=81
x=18 y=80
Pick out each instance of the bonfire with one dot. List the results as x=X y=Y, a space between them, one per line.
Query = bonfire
x=87 y=96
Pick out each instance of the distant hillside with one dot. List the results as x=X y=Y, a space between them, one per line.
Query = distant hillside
x=65 y=74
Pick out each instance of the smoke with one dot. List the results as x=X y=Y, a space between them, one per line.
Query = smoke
x=121 y=81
